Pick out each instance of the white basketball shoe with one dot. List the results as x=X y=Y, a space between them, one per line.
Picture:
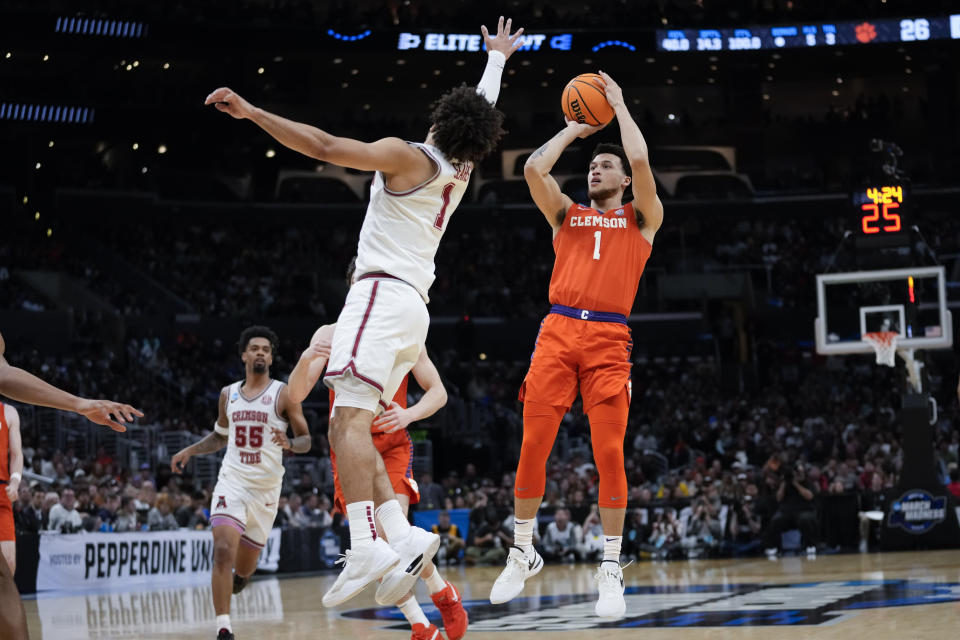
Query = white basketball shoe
x=415 y=551
x=609 y=579
x=360 y=567
x=520 y=566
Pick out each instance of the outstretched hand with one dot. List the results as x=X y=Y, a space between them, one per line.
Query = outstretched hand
x=108 y=413
x=504 y=42
x=227 y=101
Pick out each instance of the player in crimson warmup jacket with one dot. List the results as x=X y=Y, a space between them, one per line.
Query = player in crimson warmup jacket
x=584 y=343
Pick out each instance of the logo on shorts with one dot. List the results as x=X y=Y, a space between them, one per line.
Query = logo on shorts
x=267 y=399
x=221 y=502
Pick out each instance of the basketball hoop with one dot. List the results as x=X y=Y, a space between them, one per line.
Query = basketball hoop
x=884 y=343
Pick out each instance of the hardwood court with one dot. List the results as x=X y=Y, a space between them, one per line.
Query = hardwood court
x=898 y=595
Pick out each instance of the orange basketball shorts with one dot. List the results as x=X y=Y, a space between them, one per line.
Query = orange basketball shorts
x=396 y=449
x=7 y=531
x=571 y=354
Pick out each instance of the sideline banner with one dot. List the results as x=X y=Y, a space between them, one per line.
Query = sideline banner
x=84 y=561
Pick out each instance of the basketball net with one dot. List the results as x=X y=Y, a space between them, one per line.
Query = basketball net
x=884 y=343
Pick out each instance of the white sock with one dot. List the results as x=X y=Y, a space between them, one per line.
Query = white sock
x=223 y=622
x=362 y=529
x=611 y=548
x=523 y=533
x=394 y=523
x=435 y=583
x=413 y=613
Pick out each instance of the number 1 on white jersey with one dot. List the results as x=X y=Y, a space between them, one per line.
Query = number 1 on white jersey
x=596 y=245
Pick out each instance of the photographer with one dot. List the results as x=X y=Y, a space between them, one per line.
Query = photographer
x=703 y=529
x=745 y=523
x=796 y=509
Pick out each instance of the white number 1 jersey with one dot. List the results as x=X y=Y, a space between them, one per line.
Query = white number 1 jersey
x=252 y=459
x=401 y=230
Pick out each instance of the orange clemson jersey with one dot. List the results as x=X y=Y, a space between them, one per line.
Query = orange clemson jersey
x=600 y=258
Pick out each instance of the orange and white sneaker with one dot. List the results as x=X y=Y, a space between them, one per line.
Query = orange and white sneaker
x=451 y=609
x=425 y=632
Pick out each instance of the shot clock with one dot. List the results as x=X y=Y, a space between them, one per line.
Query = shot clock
x=881 y=211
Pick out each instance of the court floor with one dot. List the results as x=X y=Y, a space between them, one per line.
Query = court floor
x=914 y=595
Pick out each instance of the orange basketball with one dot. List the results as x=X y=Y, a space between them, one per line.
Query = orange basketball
x=585 y=101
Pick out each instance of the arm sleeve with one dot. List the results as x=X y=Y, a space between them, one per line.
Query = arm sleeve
x=489 y=86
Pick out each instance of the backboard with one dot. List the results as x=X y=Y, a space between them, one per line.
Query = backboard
x=910 y=301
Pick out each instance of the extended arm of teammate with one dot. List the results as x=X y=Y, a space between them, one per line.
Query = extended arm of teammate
x=301 y=442
x=21 y=386
x=434 y=398
x=311 y=364
x=213 y=441
x=644 y=186
x=16 y=452
x=544 y=189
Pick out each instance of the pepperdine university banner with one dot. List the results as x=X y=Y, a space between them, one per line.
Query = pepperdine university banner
x=81 y=561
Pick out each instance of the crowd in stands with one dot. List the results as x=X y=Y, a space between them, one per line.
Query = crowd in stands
x=811 y=449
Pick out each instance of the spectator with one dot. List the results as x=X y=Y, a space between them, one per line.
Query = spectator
x=796 y=509
x=64 y=516
x=703 y=533
x=562 y=539
x=485 y=544
x=127 y=516
x=664 y=534
x=161 y=517
x=32 y=517
x=745 y=523
x=636 y=532
x=954 y=486
x=592 y=544
x=431 y=493
x=315 y=512
x=195 y=514
x=293 y=511
x=108 y=513
x=451 y=543
x=873 y=506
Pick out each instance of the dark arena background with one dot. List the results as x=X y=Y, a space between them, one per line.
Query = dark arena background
x=143 y=231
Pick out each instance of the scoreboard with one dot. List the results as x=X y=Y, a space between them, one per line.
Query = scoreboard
x=811 y=34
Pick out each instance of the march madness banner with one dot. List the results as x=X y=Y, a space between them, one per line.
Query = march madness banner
x=81 y=561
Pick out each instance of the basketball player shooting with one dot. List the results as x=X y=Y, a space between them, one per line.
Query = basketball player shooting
x=584 y=342
x=390 y=437
x=19 y=385
x=383 y=325
x=252 y=423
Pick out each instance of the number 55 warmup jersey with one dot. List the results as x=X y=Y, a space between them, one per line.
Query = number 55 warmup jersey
x=252 y=459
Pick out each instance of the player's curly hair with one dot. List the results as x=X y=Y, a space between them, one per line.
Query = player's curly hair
x=258 y=331
x=465 y=126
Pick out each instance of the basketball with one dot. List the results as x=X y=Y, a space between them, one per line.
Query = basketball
x=585 y=101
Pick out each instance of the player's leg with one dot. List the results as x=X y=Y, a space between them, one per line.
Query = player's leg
x=13 y=619
x=228 y=522
x=261 y=513
x=540 y=424
x=548 y=389
x=226 y=540
x=608 y=427
x=9 y=550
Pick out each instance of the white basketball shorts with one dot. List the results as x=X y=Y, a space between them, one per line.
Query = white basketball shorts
x=378 y=338
x=249 y=510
